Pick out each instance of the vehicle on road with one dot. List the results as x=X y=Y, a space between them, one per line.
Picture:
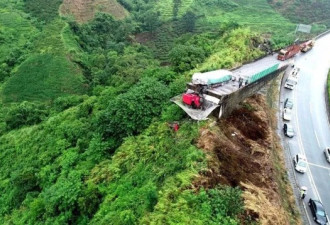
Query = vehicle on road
x=327 y=154
x=288 y=130
x=318 y=212
x=287 y=114
x=300 y=163
x=289 y=52
x=292 y=80
x=288 y=103
x=294 y=49
x=308 y=45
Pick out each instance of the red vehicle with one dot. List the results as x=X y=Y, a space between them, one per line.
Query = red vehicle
x=289 y=52
x=193 y=100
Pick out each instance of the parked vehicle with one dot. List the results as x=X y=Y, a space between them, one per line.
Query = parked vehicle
x=327 y=154
x=288 y=130
x=292 y=80
x=318 y=212
x=300 y=163
x=287 y=114
x=288 y=104
x=289 y=52
x=193 y=100
x=306 y=46
x=292 y=50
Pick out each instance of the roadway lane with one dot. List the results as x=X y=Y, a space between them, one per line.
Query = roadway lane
x=310 y=120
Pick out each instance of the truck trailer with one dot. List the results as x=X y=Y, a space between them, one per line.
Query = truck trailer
x=306 y=46
x=212 y=78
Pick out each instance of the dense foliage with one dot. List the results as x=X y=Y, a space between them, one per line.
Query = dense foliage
x=85 y=113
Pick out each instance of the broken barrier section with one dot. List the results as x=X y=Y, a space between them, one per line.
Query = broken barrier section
x=196 y=114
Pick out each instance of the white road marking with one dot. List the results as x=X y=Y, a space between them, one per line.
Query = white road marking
x=317 y=139
x=323 y=167
x=302 y=151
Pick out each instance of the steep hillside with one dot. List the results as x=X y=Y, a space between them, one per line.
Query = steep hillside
x=84 y=11
x=85 y=116
x=47 y=72
x=16 y=31
x=307 y=12
x=243 y=151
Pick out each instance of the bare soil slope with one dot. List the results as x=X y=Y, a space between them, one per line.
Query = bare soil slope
x=242 y=151
x=84 y=10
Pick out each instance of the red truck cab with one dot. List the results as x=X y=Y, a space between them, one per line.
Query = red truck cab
x=192 y=100
x=289 y=52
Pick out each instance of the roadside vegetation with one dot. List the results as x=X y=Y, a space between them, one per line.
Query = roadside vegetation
x=85 y=116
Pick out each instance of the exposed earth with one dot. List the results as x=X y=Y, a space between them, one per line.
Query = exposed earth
x=84 y=10
x=243 y=150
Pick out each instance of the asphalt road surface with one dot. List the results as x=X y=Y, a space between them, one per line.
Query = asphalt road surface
x=310 y=122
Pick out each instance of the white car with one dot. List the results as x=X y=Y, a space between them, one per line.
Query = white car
x=287 y=114
x=288 y=130
x=300 y=163
x=327 y=154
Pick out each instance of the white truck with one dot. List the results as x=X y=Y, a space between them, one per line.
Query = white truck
x=292 y=80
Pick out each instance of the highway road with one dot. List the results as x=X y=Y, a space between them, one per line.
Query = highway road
x=310 y=122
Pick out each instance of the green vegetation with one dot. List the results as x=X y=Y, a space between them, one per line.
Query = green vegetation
x=43 y=77
x=305 y=11
x=85 y=135
x=16 y=31
x=47 y=72
x=44 y=10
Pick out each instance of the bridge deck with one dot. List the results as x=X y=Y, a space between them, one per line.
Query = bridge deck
x=245 y=72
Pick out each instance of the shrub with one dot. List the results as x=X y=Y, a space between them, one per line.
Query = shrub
x=131 y=112
x=25 y=113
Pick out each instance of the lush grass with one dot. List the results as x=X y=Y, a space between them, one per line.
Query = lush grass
x=68 y=40
x=43 y=77
x=16 y=34
x=307 y=12
x=173 y=8
x=47 y=73
x=65 y=169
x=44 y=10
x=257 y=14
x=15 y=31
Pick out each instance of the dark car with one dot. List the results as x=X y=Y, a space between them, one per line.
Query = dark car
x=288 y=103
x=318 y=211
x=327 y=154
x=288 y=130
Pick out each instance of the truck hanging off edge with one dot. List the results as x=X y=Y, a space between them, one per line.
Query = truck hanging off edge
x=203 y=81
x=294 y=49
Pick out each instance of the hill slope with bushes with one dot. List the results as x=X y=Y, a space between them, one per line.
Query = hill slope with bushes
x=85 y=116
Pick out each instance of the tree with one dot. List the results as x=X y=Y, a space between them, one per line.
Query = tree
x=189 y=21
x=151 y=20
x=186 y=57
x=133 y=111
x=25 y=113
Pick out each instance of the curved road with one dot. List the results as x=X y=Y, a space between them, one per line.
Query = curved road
x=310 y=121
